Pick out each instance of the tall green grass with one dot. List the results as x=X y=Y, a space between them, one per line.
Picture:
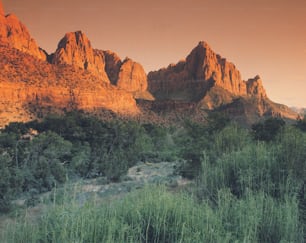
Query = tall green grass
x=246 y=191
x=156 y=215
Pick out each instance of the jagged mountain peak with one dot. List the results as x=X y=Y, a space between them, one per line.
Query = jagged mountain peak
x=75 y=49
x=203 y=44
x=127 y=59
x=203 y=50
x=15 y=34
x=112 y=64
x=201 y=69
x=203 y=78
x=212 y=82
x=256 y=88
x=78 y=37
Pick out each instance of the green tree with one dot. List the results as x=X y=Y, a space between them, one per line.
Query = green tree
x=268 y=129
x=301 y=123
x=5 y=177
x=48 y=154
x=193 y=140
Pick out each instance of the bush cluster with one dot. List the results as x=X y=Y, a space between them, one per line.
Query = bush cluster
x=73 y=146
x=249 y=184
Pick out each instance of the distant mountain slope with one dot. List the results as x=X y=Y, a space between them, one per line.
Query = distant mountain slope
x=299 y=110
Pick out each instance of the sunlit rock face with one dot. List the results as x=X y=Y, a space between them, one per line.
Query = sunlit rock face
x=16 y=35
x=132 y=76
x=75 y=49
x=30 y=87
x=255 y=88
x=76 y=76
x=212 y=82
x=199 y=72
x=201 y=69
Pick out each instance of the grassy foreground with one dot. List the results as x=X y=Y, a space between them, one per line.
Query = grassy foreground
x=156 y=215
x=249 y=187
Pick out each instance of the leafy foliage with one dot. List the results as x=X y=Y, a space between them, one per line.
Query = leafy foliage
x=268 y=129
x=75 y=145
x=301 y=123
x=249 y=184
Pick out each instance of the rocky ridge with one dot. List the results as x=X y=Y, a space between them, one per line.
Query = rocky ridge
x=77 y=76
x=30 y=88
x=201 y=70
x=16 y=35
x=213 y=83
x=75 y=49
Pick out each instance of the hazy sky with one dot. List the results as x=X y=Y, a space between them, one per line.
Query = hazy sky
x=265 y=37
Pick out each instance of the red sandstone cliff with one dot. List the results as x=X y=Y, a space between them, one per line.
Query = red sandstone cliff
x=212 y=82
x=80 y=77
x=132 y=76
x=29 y=88
x=201 y=70
x=15 y=34
x=75 y=49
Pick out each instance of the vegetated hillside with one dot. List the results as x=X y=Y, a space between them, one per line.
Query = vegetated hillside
x=249 y=184
x=40 y=155
x=30 y=87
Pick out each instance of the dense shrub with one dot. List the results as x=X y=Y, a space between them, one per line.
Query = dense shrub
x=77 y=145
x=267 y=130
x=301 y=123
x=249 y=184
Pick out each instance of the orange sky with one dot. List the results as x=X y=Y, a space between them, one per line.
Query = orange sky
x=265 y=37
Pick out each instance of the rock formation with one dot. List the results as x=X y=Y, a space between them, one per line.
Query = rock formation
x=199 y=72
x=212 y=82
x=112 y=65
x=132 y=76
x=202 y=68
x=75 y=49
x=255 y=88
x=80 y=77
x=30 y=88
x=15 y=34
